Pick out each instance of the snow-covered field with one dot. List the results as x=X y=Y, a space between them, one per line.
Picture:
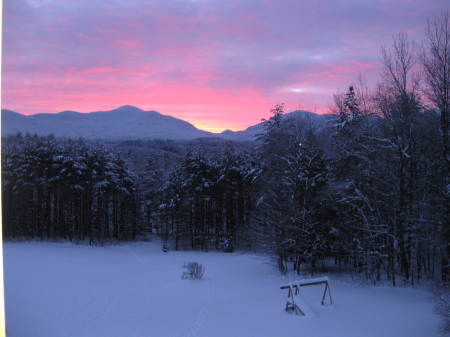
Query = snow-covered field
x=135 y=290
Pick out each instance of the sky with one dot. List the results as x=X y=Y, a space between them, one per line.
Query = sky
x=219 y=64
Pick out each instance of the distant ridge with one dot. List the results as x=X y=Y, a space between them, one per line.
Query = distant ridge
x=124 y=123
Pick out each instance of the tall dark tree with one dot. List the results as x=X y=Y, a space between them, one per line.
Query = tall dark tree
x=436 y=63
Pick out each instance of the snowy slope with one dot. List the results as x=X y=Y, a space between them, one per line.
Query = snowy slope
x=135 y=290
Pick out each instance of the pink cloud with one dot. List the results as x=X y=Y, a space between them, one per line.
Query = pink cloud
x=218 y=64
x=98 y=70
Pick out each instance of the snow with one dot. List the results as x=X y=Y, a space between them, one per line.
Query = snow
x=136 y=290
x=311 y=280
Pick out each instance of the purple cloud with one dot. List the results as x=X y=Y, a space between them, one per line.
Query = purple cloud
x=89 y=55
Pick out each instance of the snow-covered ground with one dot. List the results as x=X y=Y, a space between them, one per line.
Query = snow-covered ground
x=135 y=290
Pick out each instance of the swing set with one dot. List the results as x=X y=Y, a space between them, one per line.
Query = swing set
x=294 y=291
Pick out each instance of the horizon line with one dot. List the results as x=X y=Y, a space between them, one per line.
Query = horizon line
x=215 y=130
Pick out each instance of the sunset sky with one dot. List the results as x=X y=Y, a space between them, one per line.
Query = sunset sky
x=218 y=64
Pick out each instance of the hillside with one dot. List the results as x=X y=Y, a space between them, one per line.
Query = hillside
x=128 y=122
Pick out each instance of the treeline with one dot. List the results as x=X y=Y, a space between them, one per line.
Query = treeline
x=66 y=189
x=205 y=203
x=376 y=197
x=365 y=187
x=198 y=195
x=371 y=198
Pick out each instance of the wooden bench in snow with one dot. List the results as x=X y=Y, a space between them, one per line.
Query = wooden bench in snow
x=294 y=291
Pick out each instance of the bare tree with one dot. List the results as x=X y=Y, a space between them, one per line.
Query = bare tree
x=398 y=101
x=399 y=61
x=436 y=63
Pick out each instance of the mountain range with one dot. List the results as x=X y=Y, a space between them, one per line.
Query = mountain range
x=125 y=122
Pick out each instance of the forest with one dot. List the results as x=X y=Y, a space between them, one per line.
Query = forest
x=365 y=186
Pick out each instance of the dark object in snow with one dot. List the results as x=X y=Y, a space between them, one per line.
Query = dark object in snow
x=294 y=290
x=227 y=244
x=193 y=271
x=164 y=248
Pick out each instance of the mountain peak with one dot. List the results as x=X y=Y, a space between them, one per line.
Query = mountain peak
x=127 y=108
